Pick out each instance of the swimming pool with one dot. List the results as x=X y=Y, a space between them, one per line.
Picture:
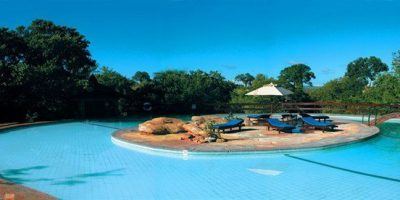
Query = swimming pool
x=77 y=160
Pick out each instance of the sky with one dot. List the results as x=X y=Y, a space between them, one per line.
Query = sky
x=229 y=36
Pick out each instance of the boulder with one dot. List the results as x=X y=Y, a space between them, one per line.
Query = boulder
x=201 y=121
x=194 y=129
x=220 y=140
x=162 y=126
x=200 y=139
x=205 y=118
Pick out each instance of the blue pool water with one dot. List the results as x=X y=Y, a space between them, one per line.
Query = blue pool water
x=77 y=160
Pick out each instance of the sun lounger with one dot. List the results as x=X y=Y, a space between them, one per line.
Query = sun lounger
x=280 y=126
x=310 y=121
x=258 y=117
x=317 y=117
x=229 y=125
x=288 y=117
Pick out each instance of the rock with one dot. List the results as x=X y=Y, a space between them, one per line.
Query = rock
x=193 y=128
x=162 y=126
x=220 y=140
x=200 y=139
x=187 y=137
x=206 y=118
x=201 y=121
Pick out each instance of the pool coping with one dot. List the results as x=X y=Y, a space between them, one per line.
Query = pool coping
x=165 y=151
x=19 y=125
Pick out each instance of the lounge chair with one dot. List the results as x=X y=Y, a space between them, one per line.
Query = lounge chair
x=258 y=117
x=280 y=126
x=310 y=121
x=287 y=117
x=229 y=125
x=317 y=117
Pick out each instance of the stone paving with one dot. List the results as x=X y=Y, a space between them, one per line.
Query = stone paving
x=20 y=192
x=255 y=138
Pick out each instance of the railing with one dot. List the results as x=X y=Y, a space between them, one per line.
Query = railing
x=366 y=110
x=370 y=112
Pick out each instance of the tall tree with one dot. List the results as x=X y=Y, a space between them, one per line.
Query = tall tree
x=294 y=77
x=12 y=52
x=181 y=89
x=261 y=80
x=247 y=79
x=396 y=62
x=141 y=76
x=366 y=68
x=114 y=80
x=55 y=66
x=385 y=89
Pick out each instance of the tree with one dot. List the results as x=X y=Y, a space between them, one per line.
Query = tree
x=114 y=80
x=366 y=68
x=50 y=64
x=261 y=80
x=141 y=76
x=239 y=94
x=294 y=77
x=246 y=79
x=343 y=89
x=180 y=89
x=385 y=89
x=12 y=51
x=13 y=72
x=396 y=63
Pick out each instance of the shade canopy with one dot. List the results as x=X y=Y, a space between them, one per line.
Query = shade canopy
x=270 y=90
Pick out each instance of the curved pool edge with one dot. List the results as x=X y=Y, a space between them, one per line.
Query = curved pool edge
x=17 y=125
x=20 y=191
x=170 y=152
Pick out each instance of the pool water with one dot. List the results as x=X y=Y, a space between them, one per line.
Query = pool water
x=77 y=160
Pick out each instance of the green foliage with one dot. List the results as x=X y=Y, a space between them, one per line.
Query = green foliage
x=385 y=89
x=196 y=87
x=294 y=77
x=343 y=89
x=239 y=95
x=364 y=81
x=366 y=68
x=43 y=66
x=261 y=80
x=46 y=72
x=396 y=63
x=12 y=50
x=247 y=79
x=141 y=77
x=209 y=129
x=114 y=80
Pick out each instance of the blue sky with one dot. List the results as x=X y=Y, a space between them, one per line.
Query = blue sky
x=230 y=36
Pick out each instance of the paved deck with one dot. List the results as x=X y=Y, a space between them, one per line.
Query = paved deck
x=21 y=192
x=254 y=138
